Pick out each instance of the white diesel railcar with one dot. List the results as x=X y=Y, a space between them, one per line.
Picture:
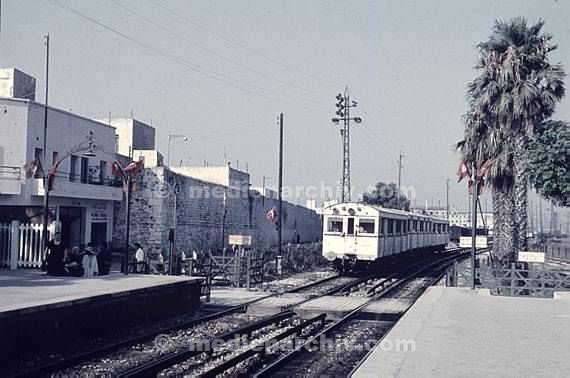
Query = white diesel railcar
x=355 y=233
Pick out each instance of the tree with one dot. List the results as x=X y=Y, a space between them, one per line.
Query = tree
x=517 y=88
x=549 y=162
x=385 y=195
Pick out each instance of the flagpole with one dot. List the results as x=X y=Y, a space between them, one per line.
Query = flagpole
x=280 y=215
x=475 y=193
x=44 y=166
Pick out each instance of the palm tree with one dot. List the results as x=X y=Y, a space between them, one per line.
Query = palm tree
x=516 y=89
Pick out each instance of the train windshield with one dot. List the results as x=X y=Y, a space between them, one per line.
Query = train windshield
x=334 y=225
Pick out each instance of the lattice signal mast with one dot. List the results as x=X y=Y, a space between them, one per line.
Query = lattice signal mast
x=343 y=106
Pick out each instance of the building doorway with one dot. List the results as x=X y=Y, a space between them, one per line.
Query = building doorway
x=98 y=234
x=71 y=226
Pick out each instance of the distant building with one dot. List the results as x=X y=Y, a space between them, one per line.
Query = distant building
x=464 y=219
x=16 y=84
x=438 y=212
x=132 y=135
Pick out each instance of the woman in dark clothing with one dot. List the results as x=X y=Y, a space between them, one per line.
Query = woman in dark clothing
x=55 y=257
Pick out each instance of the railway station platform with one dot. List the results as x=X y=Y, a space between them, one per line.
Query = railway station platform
x=459 y=332
x=40 y=314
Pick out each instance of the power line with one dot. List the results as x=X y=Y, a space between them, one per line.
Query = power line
x=170 y=31
x=240 y=45
x=184 y=62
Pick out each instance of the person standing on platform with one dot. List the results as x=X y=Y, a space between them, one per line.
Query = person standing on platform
x=140 y=259
x=55 y=257
x=90 y=266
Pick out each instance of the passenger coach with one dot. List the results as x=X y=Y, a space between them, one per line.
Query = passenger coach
x=355 y=233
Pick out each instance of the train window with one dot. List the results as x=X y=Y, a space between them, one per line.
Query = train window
x=350 y=228
x=398 y=227
x=366 y=226
x=334 y=225
x=390 y=226
x=382 y=225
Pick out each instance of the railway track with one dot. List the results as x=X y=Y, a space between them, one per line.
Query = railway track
x=233 y=318
x=350 y=334
x=56 y=366
x=237 y=361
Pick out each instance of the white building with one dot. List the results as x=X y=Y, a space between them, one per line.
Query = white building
x=464 y=219
x=85 y=189
x=438 y=212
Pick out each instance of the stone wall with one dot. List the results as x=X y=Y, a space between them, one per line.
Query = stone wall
x=200 y=209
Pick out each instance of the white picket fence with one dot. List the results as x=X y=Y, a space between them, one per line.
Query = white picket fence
x=5 y=245
x=21 y=245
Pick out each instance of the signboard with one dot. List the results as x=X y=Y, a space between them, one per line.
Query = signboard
x=480 y=241
x=536 y=257
x=240 y=240
x=99 y=213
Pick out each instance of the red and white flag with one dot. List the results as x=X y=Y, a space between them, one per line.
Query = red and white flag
x=462 y=172
x=484 y=168
x=133 y=167
x=33 y=169
x=271 y=214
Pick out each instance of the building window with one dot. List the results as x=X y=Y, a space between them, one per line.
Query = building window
x=39 y=155
x=84 y=170
x=54 y=157
x=366 y=226
x=102 y=173
x=334 y=225
x=73 y=168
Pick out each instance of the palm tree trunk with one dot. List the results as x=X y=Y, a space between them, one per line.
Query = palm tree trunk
x=503 y=229
x=520 y=192
x=498 y=215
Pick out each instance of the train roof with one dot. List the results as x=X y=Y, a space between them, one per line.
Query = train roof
x=385 y=210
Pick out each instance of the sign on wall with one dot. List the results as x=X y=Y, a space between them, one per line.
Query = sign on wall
x=480 y=241
x=525 y=256
x=99 y=213
x=240 y=240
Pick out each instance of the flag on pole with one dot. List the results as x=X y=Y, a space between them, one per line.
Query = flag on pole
x=462 y=171
x=51 y=175
x=271 y=214
x=484 y=168
x=116 y=169
x=133 y=167
x=33 y=169
x=480 y=187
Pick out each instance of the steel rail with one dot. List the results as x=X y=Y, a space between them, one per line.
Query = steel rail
x=273 y=367
x=152 y=368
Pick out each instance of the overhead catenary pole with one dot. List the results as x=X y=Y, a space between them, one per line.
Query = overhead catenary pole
x=447 y=199
x=280 y=190
x=400 y=180
x=44 y=166
x=343 y=111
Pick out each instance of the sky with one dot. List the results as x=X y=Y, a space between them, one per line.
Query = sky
x=221 y=71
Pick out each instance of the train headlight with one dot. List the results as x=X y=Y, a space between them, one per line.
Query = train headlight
x=331 y=256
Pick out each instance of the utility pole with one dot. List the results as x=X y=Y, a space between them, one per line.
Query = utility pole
x=531 y=216
x=540 y=215
x=44 y=166
x=343 y=111
x=400 y=180
x=447 y=199
x=280 y=216
x=474 y=224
